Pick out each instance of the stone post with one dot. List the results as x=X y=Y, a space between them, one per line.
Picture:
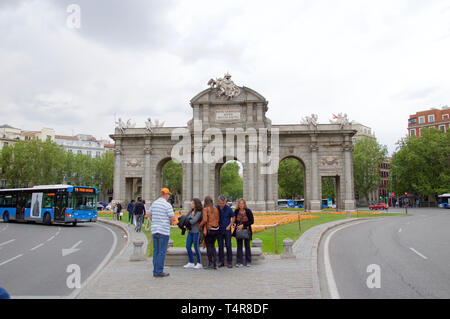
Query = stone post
x=138 y=254
x=287 y=248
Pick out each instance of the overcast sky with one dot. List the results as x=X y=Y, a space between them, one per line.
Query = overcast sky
x=377 y=61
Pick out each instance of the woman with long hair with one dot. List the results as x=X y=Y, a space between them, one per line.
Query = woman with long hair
x=243 y=232
x=194 y=217
x=210 y=224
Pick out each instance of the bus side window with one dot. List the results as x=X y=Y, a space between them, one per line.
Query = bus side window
x=2 y=200
x=47 y=201
x=28 y=200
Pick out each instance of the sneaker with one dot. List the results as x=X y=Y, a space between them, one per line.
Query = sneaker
x=229 y=266
x=189 y=265
x=198 y=266
x=221 y=265
x=239 y=265
x=248 y=265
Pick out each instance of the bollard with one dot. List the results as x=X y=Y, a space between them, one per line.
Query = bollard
x=138 y=254
x=257 y=243
x=287 y=251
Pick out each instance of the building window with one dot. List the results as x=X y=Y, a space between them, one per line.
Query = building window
x=421 y=119
x=5 y=143
x=97 y=154
x=431 y=118
x=420 y=131
x=442 y=128
x=445 y=116
x=412 y=132
x=79 y=152
x=69 y=150
x=412 y=121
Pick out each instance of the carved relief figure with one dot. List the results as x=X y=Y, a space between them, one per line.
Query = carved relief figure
x=225 y=87
x=329 y=161
x=134 y=163
x=310 y=120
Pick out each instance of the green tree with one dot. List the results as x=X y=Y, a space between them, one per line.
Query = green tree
x=290 y=179
x=231 y=184
x=172 y=178
x=328 y=187
x=367 y=156
x=421 y=165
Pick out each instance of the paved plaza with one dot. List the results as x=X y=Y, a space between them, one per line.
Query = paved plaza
x=273 y=278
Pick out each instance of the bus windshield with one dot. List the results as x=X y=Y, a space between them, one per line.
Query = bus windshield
x=84 y=201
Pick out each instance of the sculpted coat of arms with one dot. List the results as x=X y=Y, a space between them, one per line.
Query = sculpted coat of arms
x=225 y=87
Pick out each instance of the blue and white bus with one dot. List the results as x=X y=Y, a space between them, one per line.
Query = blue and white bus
x=444 y=201
x=49 y=204
x=296 y=203
x=327 y=203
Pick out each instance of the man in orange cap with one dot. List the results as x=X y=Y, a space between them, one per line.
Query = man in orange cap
x=161 y=214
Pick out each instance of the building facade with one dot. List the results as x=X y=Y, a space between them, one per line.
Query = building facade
x=81 y=144
x=8 y=135
x=437 y=118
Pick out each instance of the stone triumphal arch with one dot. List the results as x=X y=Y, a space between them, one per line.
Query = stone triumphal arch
x=229 y=122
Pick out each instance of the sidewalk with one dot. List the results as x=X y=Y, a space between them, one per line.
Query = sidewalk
x=274 y=278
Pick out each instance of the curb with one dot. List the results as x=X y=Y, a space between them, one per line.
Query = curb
x=315 y=253
x=95 y=275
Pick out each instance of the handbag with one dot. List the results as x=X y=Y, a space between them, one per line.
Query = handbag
x=242 y=234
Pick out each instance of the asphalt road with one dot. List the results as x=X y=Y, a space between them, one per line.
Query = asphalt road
x=44 y=261
x=392 y=257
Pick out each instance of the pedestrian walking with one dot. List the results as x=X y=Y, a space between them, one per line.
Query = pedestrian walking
x=194 y=218
x=161 y=215
x=243 y=232
x=226 y=220
x=117 y=211
x=210 y=224
x=130 y=209
x=139 y=211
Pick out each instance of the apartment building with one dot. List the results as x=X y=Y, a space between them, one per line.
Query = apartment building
x=437 y=118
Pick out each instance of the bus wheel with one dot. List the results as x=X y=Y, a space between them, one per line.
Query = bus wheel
x=6 y=217
x=74 y=224
x=47 y=219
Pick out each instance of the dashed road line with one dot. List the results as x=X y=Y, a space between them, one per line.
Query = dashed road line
x=11 y=259
x=7 y=242
x=415 y=251
x=36 y=247
x=51 y=238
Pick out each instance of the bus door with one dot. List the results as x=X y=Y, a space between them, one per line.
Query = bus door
x=60 y=206
x=20 y=207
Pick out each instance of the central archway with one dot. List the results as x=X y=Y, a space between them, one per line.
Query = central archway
x=229 y=180
x=292 y=182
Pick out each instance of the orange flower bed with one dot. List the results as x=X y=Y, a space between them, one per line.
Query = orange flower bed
x=354 y=213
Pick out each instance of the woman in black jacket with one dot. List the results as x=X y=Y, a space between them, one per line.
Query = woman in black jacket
x=243 y=220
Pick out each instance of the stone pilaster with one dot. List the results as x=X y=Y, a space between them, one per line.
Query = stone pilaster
x=316 y=201
x=146 y=182
x=117 y=192
x=349 y=197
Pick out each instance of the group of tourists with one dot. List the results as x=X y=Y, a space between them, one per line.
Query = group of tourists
x=206 y=223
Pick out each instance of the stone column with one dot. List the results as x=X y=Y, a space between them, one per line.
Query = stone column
x=187 y=185
x=251 y=169
x=117 y=194
x=270 y=200
x=196 y=175
x=205 y=180
x=261 y=178
x=146 y=182
x=349 y=198
x=315 y=202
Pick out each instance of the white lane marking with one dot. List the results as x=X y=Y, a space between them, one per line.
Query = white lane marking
x=11 y=259
x=72 y=249
x=7 y=242
x=36 y=247
x=400 y=230
x=51 y=238
x=105 y=260
x=424 y=257
x=332 y=287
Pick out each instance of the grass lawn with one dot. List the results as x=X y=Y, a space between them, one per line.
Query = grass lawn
x=267 y=236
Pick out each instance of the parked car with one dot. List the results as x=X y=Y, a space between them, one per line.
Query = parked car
x=378 y=206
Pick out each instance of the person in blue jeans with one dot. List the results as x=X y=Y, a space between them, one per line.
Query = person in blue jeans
x=161 y=215
x=194 y=218
x=226 y=220
x=130 y=209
